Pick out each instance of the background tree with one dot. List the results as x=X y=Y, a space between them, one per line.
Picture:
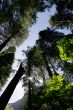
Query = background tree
x=6 y=60
x=48 y=39
x=10 y=88
x=64 y=15
x=30 y=79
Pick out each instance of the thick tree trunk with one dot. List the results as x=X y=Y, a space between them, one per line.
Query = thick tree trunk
x=9 y=90
x=47 y=66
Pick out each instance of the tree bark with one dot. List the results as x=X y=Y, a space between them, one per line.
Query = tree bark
x=10 y=88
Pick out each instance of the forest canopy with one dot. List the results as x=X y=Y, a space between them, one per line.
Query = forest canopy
x=47 y=67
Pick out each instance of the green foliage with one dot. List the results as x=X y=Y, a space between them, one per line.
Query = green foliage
x=68 y=70
x=17 y=17
x=36 y=56
x=64 y=16
x=57 y=95
x=55 y=83
x=60 y=21
x=6 y=60
x=65 y=47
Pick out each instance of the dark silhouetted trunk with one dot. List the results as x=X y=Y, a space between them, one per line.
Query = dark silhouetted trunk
x=29 y=84
x=29 y=95
x=10 y=88
x=47 y=66
x=6 y=41
x=41 y=45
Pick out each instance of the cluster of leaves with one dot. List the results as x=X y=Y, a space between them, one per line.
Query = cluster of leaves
x=57 y=95
x=65 y=47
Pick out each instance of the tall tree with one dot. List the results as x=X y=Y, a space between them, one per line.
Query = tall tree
x=47 y=41
x=64 y=15
x=17 y=16
x=10 y=88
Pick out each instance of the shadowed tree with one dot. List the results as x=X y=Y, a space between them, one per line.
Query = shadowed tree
x=47 y=41
x=4 y=98
x=6 y=60
x=28 y=73
x=16 y=16
x=30 y=80
x=58 y=47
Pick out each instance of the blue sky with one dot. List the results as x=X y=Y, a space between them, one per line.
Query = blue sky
x=41 y=24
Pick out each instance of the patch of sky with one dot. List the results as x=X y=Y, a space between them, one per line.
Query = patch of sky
x=41 y=24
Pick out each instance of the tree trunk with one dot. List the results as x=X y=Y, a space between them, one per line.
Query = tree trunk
x=29 y=95
x=6 y=41
x=43 y=76
x=55 y=73
x=41 y=44
x=10 y=88
x=47 y=66
x=29 y=84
